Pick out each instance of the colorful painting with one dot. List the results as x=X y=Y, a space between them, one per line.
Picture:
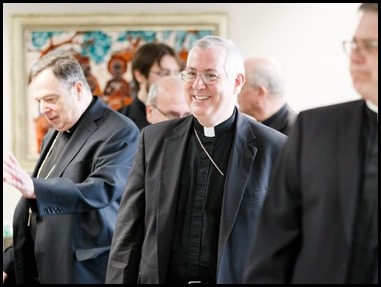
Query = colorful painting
x=104 y=51
x=105 y=57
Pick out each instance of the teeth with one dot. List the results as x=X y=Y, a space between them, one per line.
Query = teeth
x=200 y=98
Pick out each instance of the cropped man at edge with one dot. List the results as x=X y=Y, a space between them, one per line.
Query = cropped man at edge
x=319 y=223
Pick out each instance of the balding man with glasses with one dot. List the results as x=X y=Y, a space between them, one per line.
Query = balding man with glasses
x=319 y=223
x=166 y=100
x=198 y=182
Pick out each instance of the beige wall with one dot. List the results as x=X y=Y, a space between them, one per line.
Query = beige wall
x=305 y=38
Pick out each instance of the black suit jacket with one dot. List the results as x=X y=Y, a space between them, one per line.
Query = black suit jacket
x=78 y=204
x=142 y=241
x=136 y=111
x=305 y=231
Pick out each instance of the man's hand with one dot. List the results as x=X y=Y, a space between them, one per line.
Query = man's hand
x=16 y=176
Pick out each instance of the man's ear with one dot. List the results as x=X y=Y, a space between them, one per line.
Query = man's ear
x=239 y=81
x=139 y=76
x=78 y=88
x=149 y=109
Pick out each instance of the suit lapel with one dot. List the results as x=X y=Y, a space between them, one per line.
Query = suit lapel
x=241 y=159
x=174 y=146
x=86 y=128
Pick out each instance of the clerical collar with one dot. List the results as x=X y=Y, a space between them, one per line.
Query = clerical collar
x=371 y=115
x=72 y=129
x=372 y=107
x=217 y=130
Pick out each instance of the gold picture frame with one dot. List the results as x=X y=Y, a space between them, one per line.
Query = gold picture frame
x=49 y=28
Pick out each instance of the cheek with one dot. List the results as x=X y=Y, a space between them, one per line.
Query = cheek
x=188 y=93
x=375 y=70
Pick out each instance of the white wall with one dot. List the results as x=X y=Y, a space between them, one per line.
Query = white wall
x=305 y=38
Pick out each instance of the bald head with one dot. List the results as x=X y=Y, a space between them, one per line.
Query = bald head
x=166 y=100
x=265 y=72
x=263 y=93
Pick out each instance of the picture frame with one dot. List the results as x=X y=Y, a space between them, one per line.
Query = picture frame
x=34 y=35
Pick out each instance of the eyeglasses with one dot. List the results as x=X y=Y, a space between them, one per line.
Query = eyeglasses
x=368 y=46
x=209 y=78
x=165 y=72
x=170 y=115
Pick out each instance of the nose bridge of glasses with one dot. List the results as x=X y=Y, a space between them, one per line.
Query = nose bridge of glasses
x=202 y=77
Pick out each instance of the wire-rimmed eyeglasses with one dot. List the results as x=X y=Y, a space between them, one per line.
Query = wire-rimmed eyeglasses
x=209 y=78
x=368 y=46
x=170 y=115
x=165 y=72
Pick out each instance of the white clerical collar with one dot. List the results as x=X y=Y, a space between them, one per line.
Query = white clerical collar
x=209 y=132
x=372 y=107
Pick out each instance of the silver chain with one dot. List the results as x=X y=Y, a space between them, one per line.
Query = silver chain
x=46 y=157
x=210 y=158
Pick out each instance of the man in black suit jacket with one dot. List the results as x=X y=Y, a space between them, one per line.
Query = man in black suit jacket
x=320 y=218
x=64 y=221
x=197 y=183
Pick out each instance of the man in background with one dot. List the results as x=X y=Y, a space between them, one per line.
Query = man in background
x=64 y=221
x=166 y=100
x=263 y=95
x=151 y=62
x=319 y=223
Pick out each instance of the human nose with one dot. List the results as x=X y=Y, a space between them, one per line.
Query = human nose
x=44 y=107
x=199 y=79
x=357 y=54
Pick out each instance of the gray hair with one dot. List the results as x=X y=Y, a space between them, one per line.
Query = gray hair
x=152 y=94
x=164 y=84
x=64 y=67
x=234 y=61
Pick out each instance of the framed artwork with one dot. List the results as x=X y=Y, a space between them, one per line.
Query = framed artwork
x=104 y=45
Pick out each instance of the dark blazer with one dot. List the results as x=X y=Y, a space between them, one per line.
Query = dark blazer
x=78 y=204
x=305 y=231
x=143 y=238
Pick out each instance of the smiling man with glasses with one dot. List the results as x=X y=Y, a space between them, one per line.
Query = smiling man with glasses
x=198 y=181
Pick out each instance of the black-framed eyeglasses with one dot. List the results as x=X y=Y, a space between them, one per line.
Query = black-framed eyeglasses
x=170 y=115
x=209 y=78
x=165 y=72
x=369 y=46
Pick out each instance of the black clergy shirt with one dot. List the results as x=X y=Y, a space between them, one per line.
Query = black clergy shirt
x=197 y=223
